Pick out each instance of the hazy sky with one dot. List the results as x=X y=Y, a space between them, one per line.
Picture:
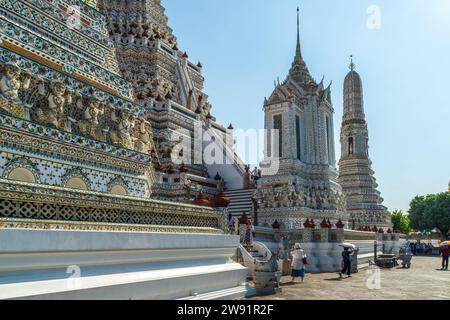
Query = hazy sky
x=244 y=45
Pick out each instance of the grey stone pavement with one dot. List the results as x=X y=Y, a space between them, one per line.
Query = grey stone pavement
x=424 y=281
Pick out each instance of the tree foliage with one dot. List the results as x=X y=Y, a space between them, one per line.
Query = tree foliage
x=400 y=221
x=429 y=212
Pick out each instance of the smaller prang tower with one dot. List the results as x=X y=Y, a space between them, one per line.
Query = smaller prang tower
x=303 y=182
x=364 y=203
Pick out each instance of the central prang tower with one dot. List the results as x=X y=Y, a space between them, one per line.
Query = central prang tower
x=305 y=184
x=169 y=87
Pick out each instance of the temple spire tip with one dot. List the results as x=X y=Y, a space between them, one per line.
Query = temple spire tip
x=298 y=50
x=352 y=65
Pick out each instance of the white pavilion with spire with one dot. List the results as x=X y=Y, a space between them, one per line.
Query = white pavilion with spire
x=305 y=184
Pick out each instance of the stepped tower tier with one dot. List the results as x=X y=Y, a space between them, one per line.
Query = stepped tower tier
x=356 y=176
x=305 y=184
x=170 y=89
x=76 y=143
x=68 y=117
x=77 y=168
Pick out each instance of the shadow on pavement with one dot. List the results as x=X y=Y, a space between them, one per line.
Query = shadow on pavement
x=335 y=279
x=290 y=283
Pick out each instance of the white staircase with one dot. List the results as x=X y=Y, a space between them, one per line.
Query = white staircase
x=258 y=252
x=241 y=201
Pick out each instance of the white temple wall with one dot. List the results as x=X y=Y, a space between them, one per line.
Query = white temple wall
x=118 y=265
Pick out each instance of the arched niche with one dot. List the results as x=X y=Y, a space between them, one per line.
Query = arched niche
x=119 y=190
x=22 y=174
x=76 y=183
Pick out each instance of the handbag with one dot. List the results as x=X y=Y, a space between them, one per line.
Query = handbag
x=305 y=260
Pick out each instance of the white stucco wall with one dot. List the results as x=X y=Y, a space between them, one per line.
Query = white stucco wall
x=40 y=264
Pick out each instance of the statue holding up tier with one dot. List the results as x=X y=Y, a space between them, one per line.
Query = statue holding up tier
x=313 y=203
x=284 y=200
x=271 y=203
x=262 y=202
x=144 y=138
x=326 y=201
x=53 y=113
x=90 y=124
x=10 y=83
x=165 y=146
x=121 y=134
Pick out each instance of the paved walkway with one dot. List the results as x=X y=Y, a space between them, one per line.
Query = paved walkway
x=423 y=281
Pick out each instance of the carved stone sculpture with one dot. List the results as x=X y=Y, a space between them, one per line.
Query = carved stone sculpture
x=165 y=146
x=144 y=138
x=90 y=124
x=10 y=83
x=326 y=201
x=53 y=112
x=121 y=134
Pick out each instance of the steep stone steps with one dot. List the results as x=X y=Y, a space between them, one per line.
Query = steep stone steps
x=241 y=201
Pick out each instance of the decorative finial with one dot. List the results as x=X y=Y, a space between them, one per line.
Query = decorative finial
x=298 y=52
x=352 y=65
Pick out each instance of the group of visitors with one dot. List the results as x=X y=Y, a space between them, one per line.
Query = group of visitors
x=420 y=248
x=252 y=177
x=299 y=258
x=300 y=261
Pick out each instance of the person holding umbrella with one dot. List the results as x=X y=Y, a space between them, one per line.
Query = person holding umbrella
x=347 y=259
x=445 y=253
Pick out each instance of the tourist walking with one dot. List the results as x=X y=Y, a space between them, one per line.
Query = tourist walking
x=255 y=175
x=299 y=261
x=445 y=253
x=347 y=260
x=249 y=234
x=414 y=248
x=230 y=222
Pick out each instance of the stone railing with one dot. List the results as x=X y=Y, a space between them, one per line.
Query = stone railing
x=323 y=245
x=301 y=235
x=320 y=245
x=390 y=242
x=30 y=201
x=359 y=235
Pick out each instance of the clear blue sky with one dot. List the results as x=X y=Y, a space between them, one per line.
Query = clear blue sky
x=405 y=66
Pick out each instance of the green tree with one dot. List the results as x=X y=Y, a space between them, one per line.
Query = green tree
x=400 y=221
x=429 y=212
